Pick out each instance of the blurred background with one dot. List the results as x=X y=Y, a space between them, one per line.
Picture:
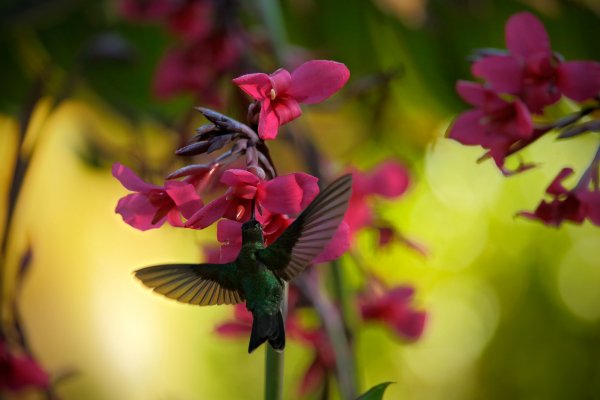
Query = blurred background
x=513 y=306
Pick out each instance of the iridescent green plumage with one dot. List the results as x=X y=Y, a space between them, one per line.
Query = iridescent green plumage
x=257 y=275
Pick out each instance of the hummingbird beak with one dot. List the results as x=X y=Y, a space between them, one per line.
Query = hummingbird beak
x=252 y=209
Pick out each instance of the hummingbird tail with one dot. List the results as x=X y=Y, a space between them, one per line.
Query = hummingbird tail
x=267 y=327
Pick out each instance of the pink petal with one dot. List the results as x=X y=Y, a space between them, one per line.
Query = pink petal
x=400 y=293
x=538 y=95
x=138 y=212
x=358 y=215
x=287 y=109
x=130 y=180
x=313 y=377
x=503 y=73
x=579 y=80
x=229 y=233
x=337 y=246
x=234 y=177
x=281 y=81
x=591 y=204
x=268 y=122
x=256 y=85
x=389 y=179
x=556 y=187
x=193 y=20
x=412 y=325
x=526 y=35
x=317 y=80
x=472 y=93
x=467 y=128
x=233 y=329
x=288 y=194
x=169 y=76
x=184 y=196
x=524 y=122
x=208 y=214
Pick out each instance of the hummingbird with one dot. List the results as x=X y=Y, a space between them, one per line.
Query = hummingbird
x=258 y=274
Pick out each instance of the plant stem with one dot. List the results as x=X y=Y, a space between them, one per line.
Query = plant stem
x=334 y=326
x=273 y=374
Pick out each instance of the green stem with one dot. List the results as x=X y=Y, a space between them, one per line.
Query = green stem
x=273 y=374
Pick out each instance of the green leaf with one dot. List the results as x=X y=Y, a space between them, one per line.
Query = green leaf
x=375 y=393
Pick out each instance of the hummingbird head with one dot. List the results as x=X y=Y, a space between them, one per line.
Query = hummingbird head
x=252 y=231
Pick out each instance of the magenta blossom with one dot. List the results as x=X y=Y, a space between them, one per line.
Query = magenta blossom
x=389 y=180
x=152 y=205
x=20 y=371
x=188 y=19
x=192 y=20
x=567 y=205
x=287 y=194
x=281 y=92
x=394 y=308
x=197 y=67
x=495 y=123
x=532 y=71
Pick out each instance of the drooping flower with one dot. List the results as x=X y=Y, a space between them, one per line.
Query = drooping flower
x=152 y=205
x=287 y=194
x=20 y=371
x=281 y=92
x=495 y=123
x=567 y=205
x=389 y=179
x=394 y=309
x=532 y=71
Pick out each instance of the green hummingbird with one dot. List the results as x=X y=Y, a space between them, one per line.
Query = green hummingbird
x=258 y=273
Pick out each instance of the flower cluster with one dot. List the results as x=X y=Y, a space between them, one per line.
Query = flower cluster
x=277 y=199
x=518 y=84
x=210 y=44
x=245 y=170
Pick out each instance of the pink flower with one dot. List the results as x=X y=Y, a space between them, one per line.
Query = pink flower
x=389 y=180
x=395 y=310
x=287 y=194
x=152 y=205
x=532 y=71
x=567 y=205
x=192 y=20
x=495 y=123
x=196 y=68
x=20 y=371
x=281 y=92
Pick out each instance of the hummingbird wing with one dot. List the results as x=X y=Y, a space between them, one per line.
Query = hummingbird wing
x=199 y=284
x=308 y=235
